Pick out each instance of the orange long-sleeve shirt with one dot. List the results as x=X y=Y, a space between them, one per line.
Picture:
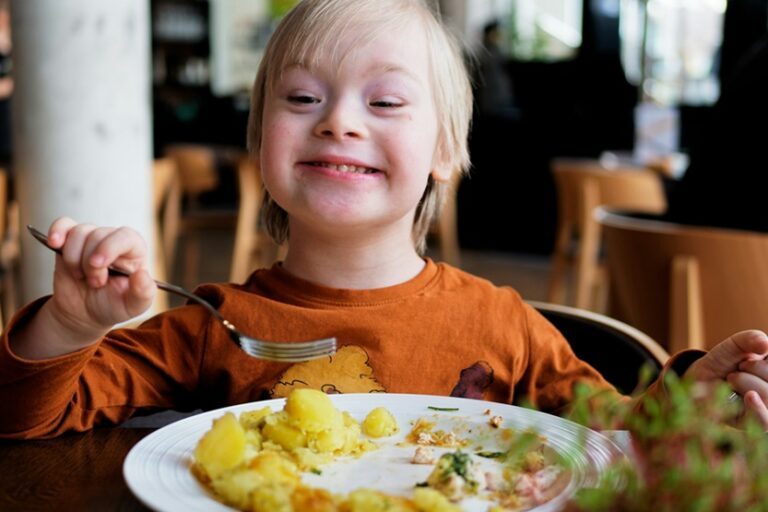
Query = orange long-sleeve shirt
x=445 y=332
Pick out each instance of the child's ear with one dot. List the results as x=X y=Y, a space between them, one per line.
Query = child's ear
x=442 y=169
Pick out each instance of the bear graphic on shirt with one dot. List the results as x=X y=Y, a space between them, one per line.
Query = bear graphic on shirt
x=347 y=371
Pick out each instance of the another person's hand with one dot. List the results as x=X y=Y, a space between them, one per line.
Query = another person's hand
x=86 y=301
x=741 y=361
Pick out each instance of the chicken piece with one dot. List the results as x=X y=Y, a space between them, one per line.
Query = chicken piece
x=423 y=455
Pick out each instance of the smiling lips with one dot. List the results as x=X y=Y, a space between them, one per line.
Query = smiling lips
x=346 y=168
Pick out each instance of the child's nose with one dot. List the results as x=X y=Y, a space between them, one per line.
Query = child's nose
x=341 y=121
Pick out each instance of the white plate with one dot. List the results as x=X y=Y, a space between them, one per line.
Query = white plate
x=157 y=469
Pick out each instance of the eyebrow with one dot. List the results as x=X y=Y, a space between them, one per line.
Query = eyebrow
x=386 y=68
x=380 y=68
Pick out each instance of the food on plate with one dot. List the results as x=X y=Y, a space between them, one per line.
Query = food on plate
x=423 y=455
x=254 y=462
x=424 y=432
x=456 y=476
x=265 y=460
x=380 y=423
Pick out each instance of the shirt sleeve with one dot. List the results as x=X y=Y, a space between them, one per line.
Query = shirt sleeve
x=128 y=372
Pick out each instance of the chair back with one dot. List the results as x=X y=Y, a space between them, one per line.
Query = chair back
x=445 y=227
x=253 y=248
x=582 y=186
x=196 y=166
x=9 y=250
x=166 y=202
x=618 y=351
x=688 y=286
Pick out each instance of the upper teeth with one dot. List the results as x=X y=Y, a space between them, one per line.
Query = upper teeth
x=348 y=168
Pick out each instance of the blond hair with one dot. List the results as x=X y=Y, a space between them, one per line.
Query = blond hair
x=313 y=30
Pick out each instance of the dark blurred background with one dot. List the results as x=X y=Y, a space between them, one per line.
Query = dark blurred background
x=576 y=107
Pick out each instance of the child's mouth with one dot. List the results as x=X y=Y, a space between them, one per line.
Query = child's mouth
x=345 y=168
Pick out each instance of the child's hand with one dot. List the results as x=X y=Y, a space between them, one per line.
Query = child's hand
x=86 y=301
x=741 y=360
x=84 y=295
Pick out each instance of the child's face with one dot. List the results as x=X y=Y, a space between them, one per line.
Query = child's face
x=351 y=144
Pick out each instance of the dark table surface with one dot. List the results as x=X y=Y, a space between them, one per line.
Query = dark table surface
x=71 y=473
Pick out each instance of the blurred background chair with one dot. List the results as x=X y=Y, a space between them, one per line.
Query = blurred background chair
x=9 y=250
x=444 y=230
x=615 y=349
x=582 y=185
x=687 y=286
x=166 y=201
x=198 y=173
x=253 y=247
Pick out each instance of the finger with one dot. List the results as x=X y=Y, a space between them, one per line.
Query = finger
x=752 y=343
x=97 y=275
x=57 y=232
x=758 y=367
x=743 y=382
x=757 y=406
x=726 y=356
x=142 y=292
x=72 y=250
x=122 y=245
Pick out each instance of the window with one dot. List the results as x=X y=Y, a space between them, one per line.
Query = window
x=535 y=29
x=670 y=48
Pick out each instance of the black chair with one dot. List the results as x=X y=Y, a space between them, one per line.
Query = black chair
x=615 y=349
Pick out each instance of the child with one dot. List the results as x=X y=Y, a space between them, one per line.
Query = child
x=359 y=118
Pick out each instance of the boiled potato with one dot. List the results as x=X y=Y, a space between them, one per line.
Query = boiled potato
x=430 y=500
x=307 y=499
x=222 y=447
x=278 y=430
x=235 y=487
x=312 y=410
x=272 y=466
x=272 y=497
x=380 y=423
x=367 y=500
x=251 y=419
x=329 y=441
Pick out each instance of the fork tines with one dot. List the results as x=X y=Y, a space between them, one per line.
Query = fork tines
x=289 y=352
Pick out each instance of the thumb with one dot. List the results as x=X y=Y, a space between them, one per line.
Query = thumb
x=141 y=292
x=725 y=357
x=753 y=343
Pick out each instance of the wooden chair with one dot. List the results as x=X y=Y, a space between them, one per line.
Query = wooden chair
x=689 y=287
x=445 y=228
x=615 y=349
x=582 y=186
x=253 y=247
x=166 y=201
x=197 y=173
x=9 y=250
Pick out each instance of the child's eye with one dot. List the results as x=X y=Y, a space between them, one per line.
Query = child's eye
x=387 y=103
x=304 y=99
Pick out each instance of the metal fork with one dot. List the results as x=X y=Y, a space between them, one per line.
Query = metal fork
x=289 y=352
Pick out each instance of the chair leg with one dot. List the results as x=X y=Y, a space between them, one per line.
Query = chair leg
x=556 y=292
x=449 y=240
x=589 y=249
x=686 y=320
x=191 y=260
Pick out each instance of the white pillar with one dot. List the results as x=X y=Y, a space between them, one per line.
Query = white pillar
x=82 y=130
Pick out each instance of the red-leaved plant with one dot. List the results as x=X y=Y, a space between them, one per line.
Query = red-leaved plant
x=694 y=450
